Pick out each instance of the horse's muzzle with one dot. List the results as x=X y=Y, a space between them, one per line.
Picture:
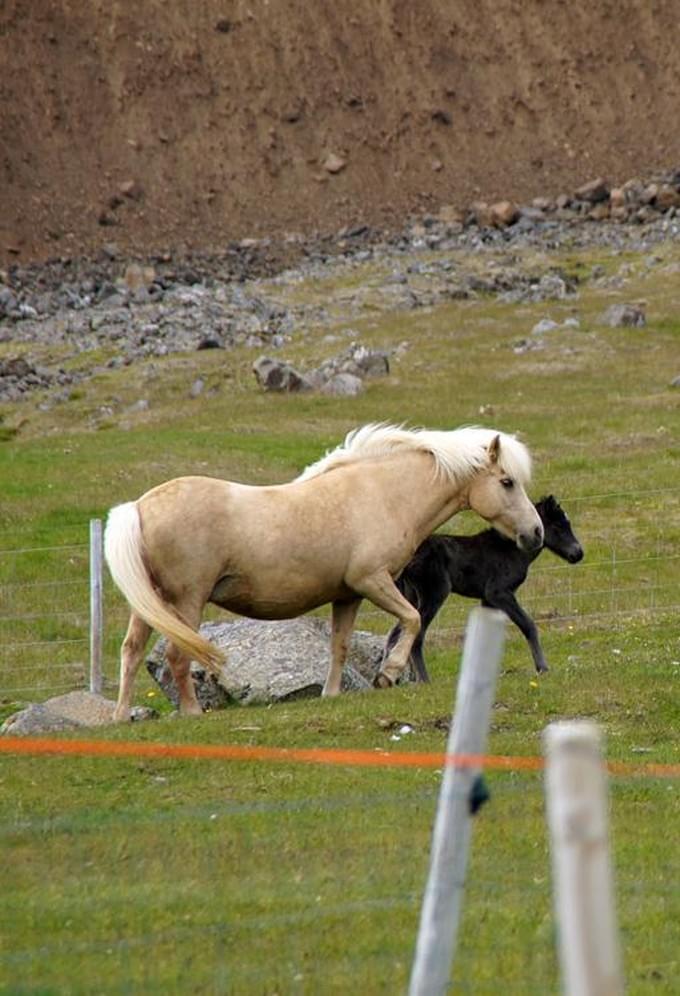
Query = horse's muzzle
x=575 y=554
x=530 y=542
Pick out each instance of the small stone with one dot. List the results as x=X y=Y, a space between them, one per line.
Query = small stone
x=600 y=212
x=593 y=192
x=343 y=385
x=138 y=278
x=545 y=325
x=504 y=213
x=334 y=163
x=666 y=197
x=450 y=215
x=209 y=342
x=275 y=375
x=132 y=190
x=482 y=214
x=625 y=316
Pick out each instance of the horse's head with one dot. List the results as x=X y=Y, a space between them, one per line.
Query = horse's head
x=559 y=536
x=498 y=496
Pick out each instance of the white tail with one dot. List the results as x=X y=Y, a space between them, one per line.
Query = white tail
x=123 y=545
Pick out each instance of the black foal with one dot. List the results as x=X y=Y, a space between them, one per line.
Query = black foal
x=487 y=566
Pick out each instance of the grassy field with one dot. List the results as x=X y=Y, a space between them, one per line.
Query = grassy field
x=168 y=876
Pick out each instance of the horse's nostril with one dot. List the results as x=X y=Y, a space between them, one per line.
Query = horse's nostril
x=538 y=534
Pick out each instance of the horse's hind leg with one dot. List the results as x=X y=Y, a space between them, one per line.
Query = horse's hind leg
x=344 y=614
x=131 y=653
x=180 y=665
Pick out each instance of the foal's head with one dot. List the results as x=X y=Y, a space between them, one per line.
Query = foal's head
x=559 y=536
x=497 y=494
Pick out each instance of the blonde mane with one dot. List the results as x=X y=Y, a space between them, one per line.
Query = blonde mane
x=457 y=454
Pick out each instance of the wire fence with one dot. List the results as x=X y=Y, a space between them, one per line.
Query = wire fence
x=146 y=873
x=155 y=900
x=45 y=596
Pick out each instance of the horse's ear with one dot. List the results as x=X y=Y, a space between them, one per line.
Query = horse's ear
x=495 y=449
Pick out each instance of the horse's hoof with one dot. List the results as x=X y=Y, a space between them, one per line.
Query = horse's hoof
x=543 y=669
x=382 y=681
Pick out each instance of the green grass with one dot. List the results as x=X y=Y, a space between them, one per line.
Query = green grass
x=168 y=876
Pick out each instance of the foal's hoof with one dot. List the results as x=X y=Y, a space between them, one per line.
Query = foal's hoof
x=382 y=681
x=542 y=668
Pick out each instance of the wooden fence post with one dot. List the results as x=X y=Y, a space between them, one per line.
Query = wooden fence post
x=458 y=798
x=96 y=613
x=584 y=897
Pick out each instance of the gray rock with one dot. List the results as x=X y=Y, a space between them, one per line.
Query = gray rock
x=15 y=366
x=343 y=385
x=593 y=192
x=71 y=711
x=545 y=325
x=275 y=375
x=8 y=301
x=357 y=360
x=625 y=315
x=35 y=719
x=272 y=661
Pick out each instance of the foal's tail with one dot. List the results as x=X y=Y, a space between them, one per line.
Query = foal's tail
x=123 y=548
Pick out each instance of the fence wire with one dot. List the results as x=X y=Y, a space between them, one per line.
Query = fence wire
x=314 y=894
x=44 y=600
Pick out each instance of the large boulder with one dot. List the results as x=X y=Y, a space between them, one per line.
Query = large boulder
x=271 y=662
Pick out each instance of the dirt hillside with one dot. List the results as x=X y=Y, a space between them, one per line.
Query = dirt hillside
x=171 y=123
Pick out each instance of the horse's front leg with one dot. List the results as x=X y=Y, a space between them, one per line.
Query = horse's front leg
x=381 y=590
x=343 y=616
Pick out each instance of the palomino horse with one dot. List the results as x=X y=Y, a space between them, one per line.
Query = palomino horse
x=340 y=532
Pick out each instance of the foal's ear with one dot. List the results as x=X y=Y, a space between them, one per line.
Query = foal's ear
x=495 y=449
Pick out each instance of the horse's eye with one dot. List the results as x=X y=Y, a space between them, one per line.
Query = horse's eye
x=507 y=482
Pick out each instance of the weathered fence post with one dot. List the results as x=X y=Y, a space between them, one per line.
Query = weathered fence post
x=584 y=896
x=461 y=792
x=96 y=614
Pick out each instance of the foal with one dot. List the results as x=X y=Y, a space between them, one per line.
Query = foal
x=486 y=566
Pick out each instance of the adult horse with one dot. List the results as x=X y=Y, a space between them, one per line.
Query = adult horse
x=340 y=532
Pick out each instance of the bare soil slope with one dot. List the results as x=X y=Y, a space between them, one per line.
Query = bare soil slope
x=171 y=123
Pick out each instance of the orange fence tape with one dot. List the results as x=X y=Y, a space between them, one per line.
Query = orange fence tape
x=312 y=755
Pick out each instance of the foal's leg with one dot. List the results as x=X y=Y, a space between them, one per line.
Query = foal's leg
x=429 y=605
x=382 y=591
x=506 y=601
x=343 y=616
x=131 y=653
